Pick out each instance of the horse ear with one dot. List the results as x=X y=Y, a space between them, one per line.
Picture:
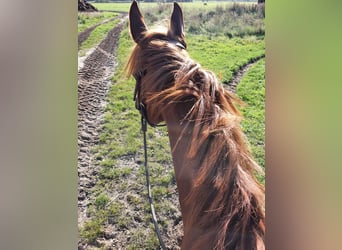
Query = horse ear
x=136 y=22
x=176 y=28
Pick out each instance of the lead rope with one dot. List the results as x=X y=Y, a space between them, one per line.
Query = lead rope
x=154 y=218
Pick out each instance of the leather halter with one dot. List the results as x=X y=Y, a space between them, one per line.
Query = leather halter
x=139 y=104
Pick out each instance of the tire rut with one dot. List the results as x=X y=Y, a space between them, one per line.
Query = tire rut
x=82 y=36
x=93 y=85
x=238 y=75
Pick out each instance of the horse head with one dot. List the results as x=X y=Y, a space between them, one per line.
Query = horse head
x=157 y=56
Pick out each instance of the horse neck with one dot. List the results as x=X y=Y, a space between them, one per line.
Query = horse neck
x=180 y=136
x=185 y=168
x=186 y=171
x=214 y=175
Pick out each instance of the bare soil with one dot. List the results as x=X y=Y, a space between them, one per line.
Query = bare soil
x=93 y=85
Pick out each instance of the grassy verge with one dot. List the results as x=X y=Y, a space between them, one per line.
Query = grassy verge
x=113 y=6
x=88 y=19
x=252 y=91
x=229 y=19
x=222 y=55
x=97 y=35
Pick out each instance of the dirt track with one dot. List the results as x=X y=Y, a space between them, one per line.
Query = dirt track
x=85 y=34
x=237 y=76
x=93 y=84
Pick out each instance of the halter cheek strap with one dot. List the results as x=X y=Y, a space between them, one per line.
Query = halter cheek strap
x=144 y=120
x=139 y=105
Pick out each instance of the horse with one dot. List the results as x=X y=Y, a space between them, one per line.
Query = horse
x=221 y=201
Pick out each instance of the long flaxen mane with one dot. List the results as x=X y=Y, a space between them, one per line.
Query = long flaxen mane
x=229 y=201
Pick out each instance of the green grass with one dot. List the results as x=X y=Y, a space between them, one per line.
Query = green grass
x=89 y=19
x=217 y=18
x=91 y=230
x=240 y=19
x=102 y=213
x=198 y=5
x=225 y=56
x=113 y=6
x=97 y=35
x=101 y=201
x=230 y=19
x=222 y=55
x=140 y=241
x=252 y=91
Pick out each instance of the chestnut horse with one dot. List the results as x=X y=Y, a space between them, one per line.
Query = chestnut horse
x=222 y=203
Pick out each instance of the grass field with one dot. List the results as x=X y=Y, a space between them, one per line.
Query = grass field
x=97 y=35
x=232 y=19
x=121 y=138
x=252 y=91
x=211 y=5
x=88 y=19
